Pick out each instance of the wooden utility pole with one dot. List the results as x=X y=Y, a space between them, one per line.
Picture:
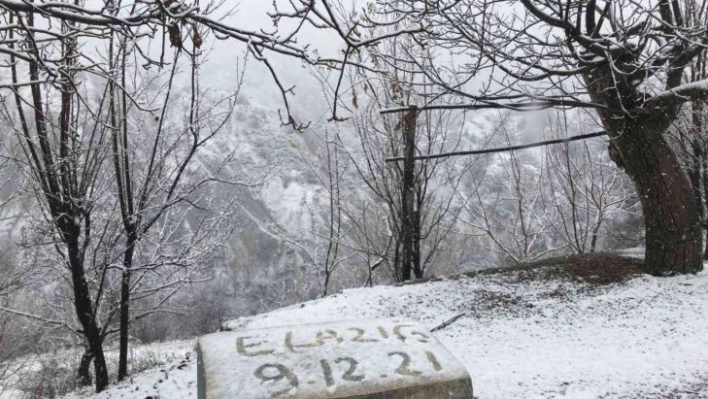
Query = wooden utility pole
x=410 y=233
x=408 y=202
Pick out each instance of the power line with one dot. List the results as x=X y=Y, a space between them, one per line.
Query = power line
x=504 y=149
x=513 y=106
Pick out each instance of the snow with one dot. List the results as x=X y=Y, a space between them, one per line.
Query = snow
x=177 y=379
x=288 y=200
x=9 y=393
x=633 y=42
x=175 y=376
x=691 y=90
x=645 y=338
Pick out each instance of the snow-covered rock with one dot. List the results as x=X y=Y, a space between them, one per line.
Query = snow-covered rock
x=384 y=358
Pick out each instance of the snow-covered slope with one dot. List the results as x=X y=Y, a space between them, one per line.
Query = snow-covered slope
x=524 y=338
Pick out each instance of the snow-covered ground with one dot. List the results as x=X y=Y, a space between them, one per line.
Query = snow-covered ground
x=520 y=337
x=159 y=360
x=174 y=380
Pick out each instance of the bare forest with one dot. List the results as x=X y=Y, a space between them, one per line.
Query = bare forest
x=169 y=165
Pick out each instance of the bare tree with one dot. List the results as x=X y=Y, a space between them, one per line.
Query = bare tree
x=582 y=190
x=148 y=190
x=175 y=24
x=10 y=283
x=75 y=158
x=536 y=202
x=504 y=202
x=322 y=243
x=625 y=59
x=689 y=136
x=57 y=158
x=66 y=143
x=407 y=190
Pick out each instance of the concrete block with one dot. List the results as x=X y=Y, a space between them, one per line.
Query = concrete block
x=377 y=359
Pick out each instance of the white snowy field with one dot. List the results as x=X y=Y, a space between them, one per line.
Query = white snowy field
x=520 y=337
x=20 y=380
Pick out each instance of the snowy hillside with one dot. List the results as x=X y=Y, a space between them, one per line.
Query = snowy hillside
x=523 y=334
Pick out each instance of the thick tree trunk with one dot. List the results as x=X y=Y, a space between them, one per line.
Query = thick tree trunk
x=705 y=193
x=87 y=317
x=695 y=173
x=125 y=306
x=673 y=233
x=694 y=177
x=124 y=325
x=92 y=334
x=84 y=372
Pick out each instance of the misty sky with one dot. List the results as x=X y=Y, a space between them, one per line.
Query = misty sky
x=219 y=71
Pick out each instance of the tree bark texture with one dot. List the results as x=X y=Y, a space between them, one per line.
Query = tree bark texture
x=704 y=178
x=87 y=317
x=125 y=307
x=84 y=372
x=673 y=233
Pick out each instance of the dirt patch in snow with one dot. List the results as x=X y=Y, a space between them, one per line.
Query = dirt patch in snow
x=595 y=268
x=561 y=279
